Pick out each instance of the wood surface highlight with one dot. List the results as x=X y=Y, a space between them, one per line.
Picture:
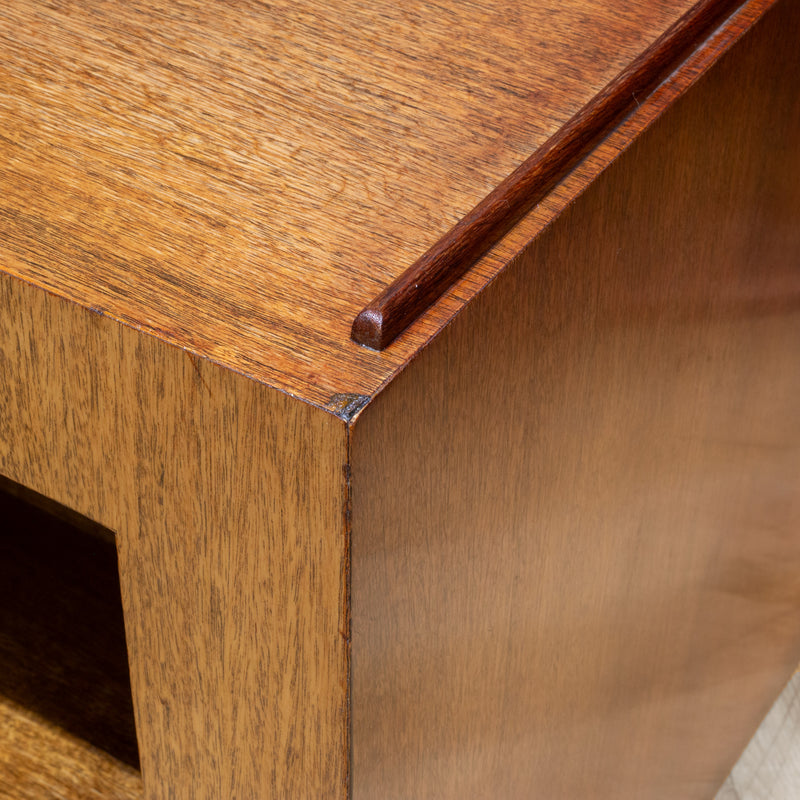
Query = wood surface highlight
x=389 y=314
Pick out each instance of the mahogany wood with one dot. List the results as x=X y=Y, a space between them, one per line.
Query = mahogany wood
x=389 y=314
x=576 y=515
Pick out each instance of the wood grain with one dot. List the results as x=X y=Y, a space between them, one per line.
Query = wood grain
x=233 y=572
x=228 y=502
x=424 y=282
x=575 y=513
x=215 y=176
x=285 y=160
x=39 y=761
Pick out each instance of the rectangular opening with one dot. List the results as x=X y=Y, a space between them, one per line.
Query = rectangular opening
x=66 y=713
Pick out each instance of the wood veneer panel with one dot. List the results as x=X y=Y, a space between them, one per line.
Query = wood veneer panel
x=240 y=178
x=576 y=513
x=228 y=504
x=241 y=623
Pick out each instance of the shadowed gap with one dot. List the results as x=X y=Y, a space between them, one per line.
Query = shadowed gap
x=62 y=637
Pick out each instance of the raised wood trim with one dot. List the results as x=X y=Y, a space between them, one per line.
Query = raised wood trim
x=392 y=311
x=239 y=179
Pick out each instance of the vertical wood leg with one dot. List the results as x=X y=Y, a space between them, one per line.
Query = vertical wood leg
x=231 y=565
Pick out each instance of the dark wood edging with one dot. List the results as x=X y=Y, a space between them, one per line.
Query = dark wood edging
x=392 y=311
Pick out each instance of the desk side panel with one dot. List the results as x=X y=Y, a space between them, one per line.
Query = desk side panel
x=228 y=500
x=576 y=515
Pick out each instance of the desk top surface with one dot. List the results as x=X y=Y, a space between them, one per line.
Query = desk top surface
x=241 y=178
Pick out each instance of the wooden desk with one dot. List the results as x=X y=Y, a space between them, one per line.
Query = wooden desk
x=532 y=548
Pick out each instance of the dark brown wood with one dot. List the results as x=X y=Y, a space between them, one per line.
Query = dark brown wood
x=389 y=314
x=66 y=716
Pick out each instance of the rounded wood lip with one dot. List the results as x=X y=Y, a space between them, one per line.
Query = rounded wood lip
x=424 y=282
x=369 y=330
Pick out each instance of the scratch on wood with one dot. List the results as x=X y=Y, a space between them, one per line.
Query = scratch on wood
x=193 y=359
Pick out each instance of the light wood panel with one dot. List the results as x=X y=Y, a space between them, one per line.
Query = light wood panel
x=576 y=513
x=285 y=160
x=228 y=501
x=234 y=580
